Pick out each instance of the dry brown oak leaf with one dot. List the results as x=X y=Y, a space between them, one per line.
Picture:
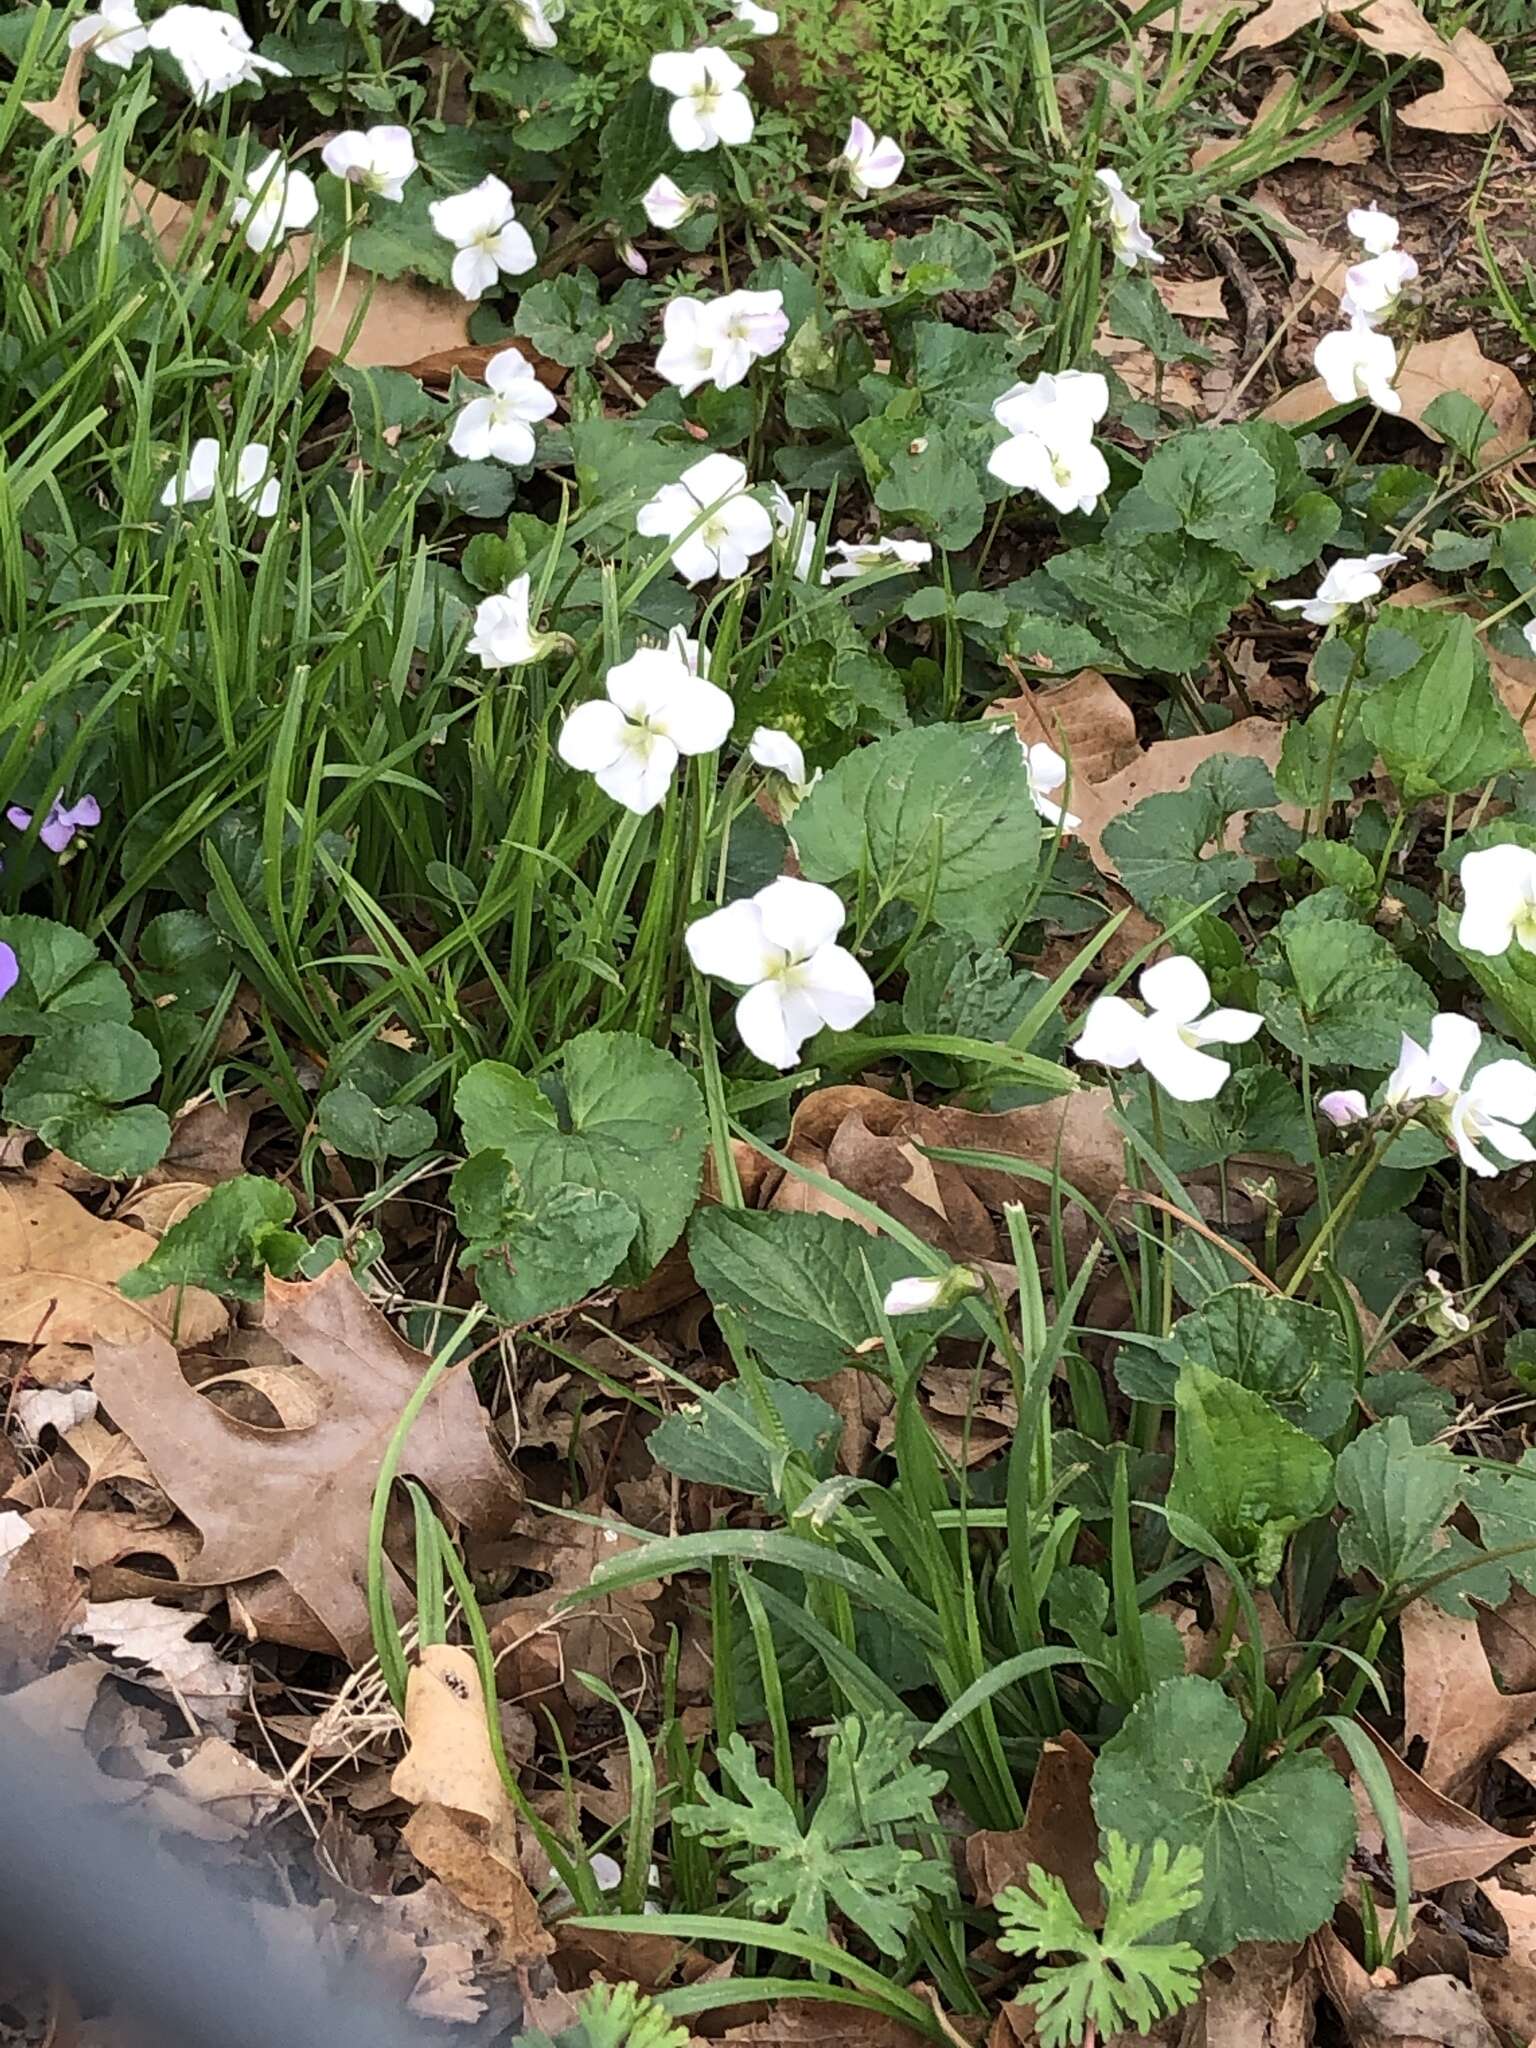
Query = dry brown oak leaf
x=297 y=1501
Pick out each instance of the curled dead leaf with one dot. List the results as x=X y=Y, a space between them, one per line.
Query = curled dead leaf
x=1445 y=1841
x=867 y=1142
x=1059 y=1833
x=449 y=1761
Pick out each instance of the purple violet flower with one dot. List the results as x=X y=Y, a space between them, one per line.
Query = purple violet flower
x=62 y=822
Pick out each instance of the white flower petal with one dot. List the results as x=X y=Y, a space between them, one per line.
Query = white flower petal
x=1185 y=1072
x=592 y=737
x=1176 y=988
x=1453 y=1044
x=642 y=774
x=1111 y=1035
x=774 y=1021
x=838 y=986
x=731 y=945
x=1227 y=1027
x=799 y=916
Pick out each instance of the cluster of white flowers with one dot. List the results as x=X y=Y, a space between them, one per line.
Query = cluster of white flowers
x=1359 y=361
x=212 y=48
x=716 y=341
x=1050 y=447
x=248 y=478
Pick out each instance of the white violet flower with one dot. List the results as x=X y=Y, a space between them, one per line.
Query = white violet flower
x=213 y=50
x=860 y=556
x=1373 y=288
x=1441 y=1314
x=1485 y=1110
x=874 y=162
x=656 y=711
x=737 y=526
x=1127 y=237
x=761 y=20
x=780 y=753
x=1050 y=450
x=1350 y=581
x=1168 y=1040
x=716 y=341
x=418 y=10
x=1500 y=888
x=536 y=19
x=115 y=33
x=377 y=160
x=206 y=472
x=1047 y=772
x=709 y=106
x=780 y=946
x=747 y=327
x=667 y=205
x=504 y=636
x=785 y=516
x=276 y=200
x=1358 y=362
x=1376 y=231
x=483 y=227
x=1343 y=1107
x=500 y=428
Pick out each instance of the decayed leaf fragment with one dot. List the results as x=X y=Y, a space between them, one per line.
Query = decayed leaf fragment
x=59 y=1268
x=297 y=1501
x=1450 y=1701
x=464 y=1829
x=1445 y=1841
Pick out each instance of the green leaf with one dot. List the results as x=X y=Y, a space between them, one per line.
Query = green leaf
x=1342 y=866
x=720 y=1442
x=920 y=476
x=847 y=1857
x=1461 y=421
x=219 y=1245
x=1240 y=1472
x=798 y=1284
x=1158 y=845
x=1397 y=1495
x=1335 y=990
x=183 y=955
x=1216 y=484
x=567 y=319
x=61 y=980
x=355 y=1124
x=1274 y=1850
x=1442 y=728
x=67 y=1090
x=1123 y=1979
x=1136 y=312
x=942 y=812
x=1257 y=1111
x=1293 y=1355
x=948 y=257
x=630 y=1122
x=1505 y=1507
x=532 y=1253
x=1165 y=600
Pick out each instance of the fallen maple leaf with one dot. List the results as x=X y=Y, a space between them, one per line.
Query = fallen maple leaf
x=1427 y=372
x=297 y=1501
x=59 y=1268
